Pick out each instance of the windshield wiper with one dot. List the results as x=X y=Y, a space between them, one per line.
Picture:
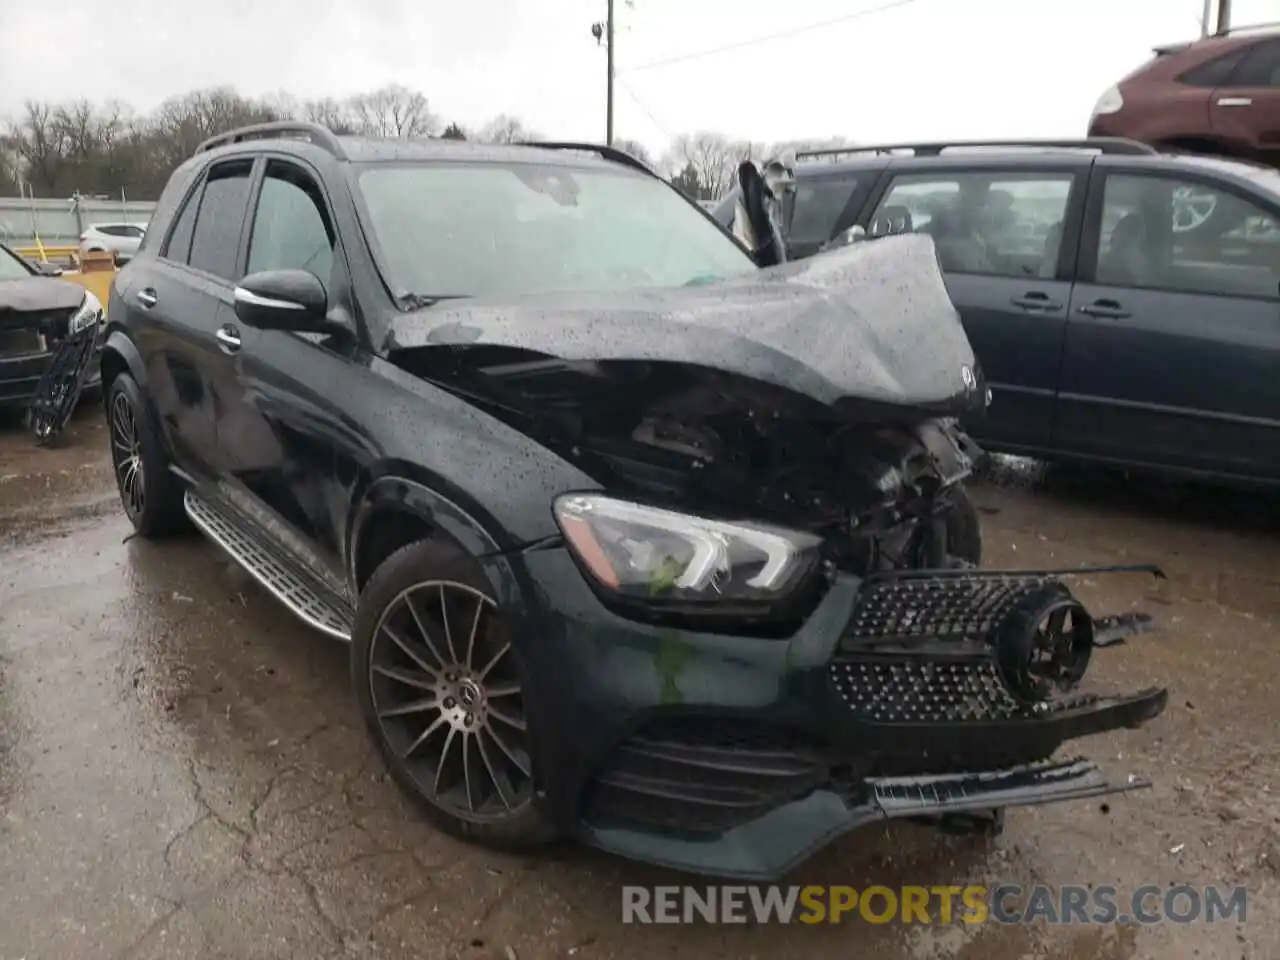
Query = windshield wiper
x=416 y=301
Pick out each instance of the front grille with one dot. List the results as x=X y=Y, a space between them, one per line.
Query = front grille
x=21 y=343
x=954 y=666
x=915 y=690
x=905 y=610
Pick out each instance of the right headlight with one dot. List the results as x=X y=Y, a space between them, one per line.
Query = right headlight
x=662 y=556
x=90 y=312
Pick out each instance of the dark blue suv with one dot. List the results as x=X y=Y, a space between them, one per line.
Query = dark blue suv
x=1124 y=304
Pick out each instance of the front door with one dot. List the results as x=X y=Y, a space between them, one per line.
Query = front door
x=998 y=236
x=1173 y=346
x=281 y=431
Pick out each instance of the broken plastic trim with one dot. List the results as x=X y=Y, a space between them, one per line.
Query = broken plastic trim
x=61 y=384
x=1030 y=785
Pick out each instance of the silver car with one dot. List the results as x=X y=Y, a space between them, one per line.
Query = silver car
x=121 y=238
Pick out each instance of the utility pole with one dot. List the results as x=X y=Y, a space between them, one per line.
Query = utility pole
x=608 y=123
x=604 y=31
x=1224 y=16
x=1205 y=19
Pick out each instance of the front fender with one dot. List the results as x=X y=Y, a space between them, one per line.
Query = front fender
x=119 y=349
x=417 y=498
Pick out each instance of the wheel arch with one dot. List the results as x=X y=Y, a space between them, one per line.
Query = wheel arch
x=120 y=355
x=401 y=505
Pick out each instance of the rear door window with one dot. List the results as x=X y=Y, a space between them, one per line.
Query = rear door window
x=1183 y=236
x=215 y=241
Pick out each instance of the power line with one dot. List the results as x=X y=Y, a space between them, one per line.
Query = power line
x=647 y=112
x=768 y=38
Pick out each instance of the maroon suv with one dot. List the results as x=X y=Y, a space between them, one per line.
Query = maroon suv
x=1217 y=95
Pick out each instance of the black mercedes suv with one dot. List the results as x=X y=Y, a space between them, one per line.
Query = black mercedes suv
x=632 y=540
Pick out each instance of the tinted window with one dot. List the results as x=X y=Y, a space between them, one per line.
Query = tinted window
x=133 y=232
x=523 y=228
x=818 y=205
x=215 y=241
x=1168 y=234
x=290 y=228
x=1215 y=72
x=178 y=247
x=997 y=224
x=1261 y=68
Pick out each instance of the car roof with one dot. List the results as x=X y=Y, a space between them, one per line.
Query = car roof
x=389 y=150
x=306 y=138
x=1255 y=173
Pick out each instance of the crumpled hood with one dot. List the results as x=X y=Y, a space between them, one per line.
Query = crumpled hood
x=35 y=295
x=872 y=321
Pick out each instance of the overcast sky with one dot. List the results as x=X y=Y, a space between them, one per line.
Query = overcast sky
x=910 y=69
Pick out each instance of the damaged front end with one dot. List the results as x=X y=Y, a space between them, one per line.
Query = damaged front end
x=820 y=396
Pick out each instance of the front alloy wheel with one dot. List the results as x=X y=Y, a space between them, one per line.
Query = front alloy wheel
x=448 y=703
x=126 y=456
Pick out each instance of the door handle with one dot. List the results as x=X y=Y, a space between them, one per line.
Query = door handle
x=1035 y=301
x=228 y=338
x=1235 y=102
x=1105 y=309
x=147 y=298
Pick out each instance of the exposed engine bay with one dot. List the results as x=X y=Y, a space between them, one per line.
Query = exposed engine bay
x=866 y=478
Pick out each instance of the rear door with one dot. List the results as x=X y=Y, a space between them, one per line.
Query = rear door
x=1173 y=348
x=1246 y=109
x=176 y=302
x=999 y=231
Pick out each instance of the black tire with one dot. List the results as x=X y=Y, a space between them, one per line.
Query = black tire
x=138 y=458
x=964 y=529
x=414 y=574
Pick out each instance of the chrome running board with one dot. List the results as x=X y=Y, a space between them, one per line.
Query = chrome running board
x=291 y=588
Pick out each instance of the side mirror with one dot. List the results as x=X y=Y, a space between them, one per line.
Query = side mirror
x=284 y=300
x=854 y=234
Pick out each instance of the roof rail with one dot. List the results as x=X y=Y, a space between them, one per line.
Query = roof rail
x=599 y=149
x=312 y=133
x=1248 y=28
x=1117 y=145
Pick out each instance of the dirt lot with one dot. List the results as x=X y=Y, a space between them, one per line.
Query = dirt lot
x=182 y=771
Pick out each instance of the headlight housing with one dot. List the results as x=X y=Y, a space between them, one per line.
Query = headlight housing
x=90 y=312
x=1111 y=101
x=664 y=558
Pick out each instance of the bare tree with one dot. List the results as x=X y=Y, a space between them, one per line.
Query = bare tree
x=330 y=113
x=505 y=129
x=712 y=157
x=393 y=111
x=636 y=149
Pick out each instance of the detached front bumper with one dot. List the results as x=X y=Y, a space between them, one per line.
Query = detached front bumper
x=20 y=375
x=926 y=694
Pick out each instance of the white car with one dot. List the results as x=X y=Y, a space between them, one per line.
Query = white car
x=120 y=238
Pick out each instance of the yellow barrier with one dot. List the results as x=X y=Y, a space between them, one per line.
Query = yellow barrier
x=98 y=283
x=46 y=253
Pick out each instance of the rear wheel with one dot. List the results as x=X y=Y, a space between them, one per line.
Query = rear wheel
x=440 y=690
x=150 y=494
